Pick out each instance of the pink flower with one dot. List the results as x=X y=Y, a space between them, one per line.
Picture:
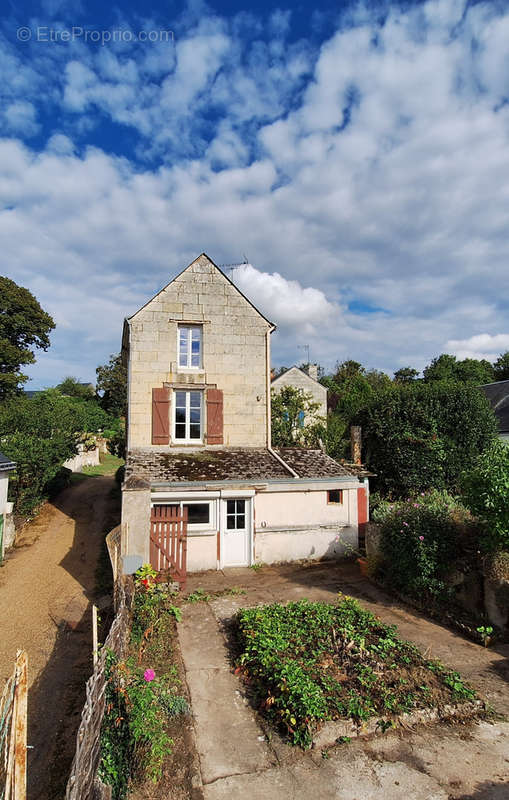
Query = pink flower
x=421 y=538
x=417 y=505
x=149 y=675
x=405 y=523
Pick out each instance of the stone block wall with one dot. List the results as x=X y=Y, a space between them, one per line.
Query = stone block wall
x=234 y=353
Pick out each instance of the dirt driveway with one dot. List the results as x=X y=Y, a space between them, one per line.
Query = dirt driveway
x=241 y=757
x=47 y=587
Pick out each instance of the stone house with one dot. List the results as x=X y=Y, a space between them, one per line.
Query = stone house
x=305 y=378
x=199 y=439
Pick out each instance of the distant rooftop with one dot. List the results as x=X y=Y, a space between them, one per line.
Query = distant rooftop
x=498 y=396
x=6 y=464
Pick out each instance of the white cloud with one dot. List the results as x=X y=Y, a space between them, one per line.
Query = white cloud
x=482 y=345
x=292 y=305
x=373 y=168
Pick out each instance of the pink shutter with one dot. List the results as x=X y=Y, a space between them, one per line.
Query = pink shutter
x=160 y=416
x=214 y=416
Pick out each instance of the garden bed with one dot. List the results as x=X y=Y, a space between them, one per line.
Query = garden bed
x=147 y=740
x=309 y=663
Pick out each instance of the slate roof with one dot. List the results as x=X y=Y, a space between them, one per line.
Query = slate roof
x=241 y=464
x=6 y=463
x=498 y=396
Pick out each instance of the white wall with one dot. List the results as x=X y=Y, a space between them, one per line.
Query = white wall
x=4 y=484
x=273 y=547
x=292 y=509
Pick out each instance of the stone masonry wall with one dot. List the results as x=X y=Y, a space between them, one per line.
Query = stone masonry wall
x=234 y=353
x=298 y=379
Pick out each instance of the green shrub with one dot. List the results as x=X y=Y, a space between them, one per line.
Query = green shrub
x=421 y=539
x=417 y=435
x=486 y=493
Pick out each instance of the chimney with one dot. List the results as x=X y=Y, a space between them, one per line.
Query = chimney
x=312 y=371
x=356 y=442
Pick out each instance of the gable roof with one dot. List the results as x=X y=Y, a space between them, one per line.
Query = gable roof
x=498 y=396
x=6 y=465
x=302 y=371
x=204 y=255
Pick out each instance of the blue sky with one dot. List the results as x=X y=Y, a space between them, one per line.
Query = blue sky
x=356 y=155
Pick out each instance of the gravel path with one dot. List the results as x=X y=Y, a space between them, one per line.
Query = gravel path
x=47 y=586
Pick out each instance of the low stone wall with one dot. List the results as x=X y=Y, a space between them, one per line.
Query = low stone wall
x=85 y=458
x=9 y=534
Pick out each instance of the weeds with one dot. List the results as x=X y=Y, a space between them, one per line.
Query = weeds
x=309 y=662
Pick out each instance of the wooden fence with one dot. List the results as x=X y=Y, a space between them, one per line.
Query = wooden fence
x=13 y=733
x=116 y=544
x=83 y=783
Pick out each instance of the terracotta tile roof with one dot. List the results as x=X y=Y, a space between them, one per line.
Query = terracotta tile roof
x=312 y=463
x=256 y=464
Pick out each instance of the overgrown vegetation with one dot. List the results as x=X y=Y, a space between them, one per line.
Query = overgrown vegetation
x=310 y=662
x=421 y=435
x=486 y=493
x=143 y=693
x=422 y=538
x=39 y=433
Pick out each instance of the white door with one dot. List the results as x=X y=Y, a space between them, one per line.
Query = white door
x=236 y=529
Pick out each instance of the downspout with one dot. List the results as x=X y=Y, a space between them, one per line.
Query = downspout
x=128 y=421
x=269 y=419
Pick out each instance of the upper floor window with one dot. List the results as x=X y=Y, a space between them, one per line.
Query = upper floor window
x=190 y=346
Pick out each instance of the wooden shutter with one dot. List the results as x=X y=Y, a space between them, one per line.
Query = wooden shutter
x=214 y=416
x=160 y=416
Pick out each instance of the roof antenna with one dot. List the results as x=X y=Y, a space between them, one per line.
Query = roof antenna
x=306 y=348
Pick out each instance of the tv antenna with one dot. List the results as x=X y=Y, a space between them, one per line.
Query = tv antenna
x=306 y=348
x=231 y=267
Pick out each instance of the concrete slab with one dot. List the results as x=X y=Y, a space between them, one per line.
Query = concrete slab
x=439 y=762
x=228 y=737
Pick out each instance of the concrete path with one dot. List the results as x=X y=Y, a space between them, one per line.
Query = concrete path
x=241 y=757
x=229 y=740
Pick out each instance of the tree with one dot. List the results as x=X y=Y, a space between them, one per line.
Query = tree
x=440 y=369
x=112 y=386
x=295 y=421
x=447 y=368
x=486 y=493
x=405 y=374
x=23 y=326
x=473 y=370
x=71 y=387
x=501 y=367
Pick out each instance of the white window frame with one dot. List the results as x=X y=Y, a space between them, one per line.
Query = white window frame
x=187 y=366
x=196 y=526
x=187 y=439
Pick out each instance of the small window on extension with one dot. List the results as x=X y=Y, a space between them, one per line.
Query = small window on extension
x=335 y=496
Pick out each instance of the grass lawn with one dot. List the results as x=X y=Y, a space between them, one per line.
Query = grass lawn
x=108 y=466
x=311 y=662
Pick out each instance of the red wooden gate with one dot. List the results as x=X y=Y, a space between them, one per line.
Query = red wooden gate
x=168 y=541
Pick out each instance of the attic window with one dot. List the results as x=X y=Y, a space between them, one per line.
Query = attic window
x=190 y=346
x=335 y=496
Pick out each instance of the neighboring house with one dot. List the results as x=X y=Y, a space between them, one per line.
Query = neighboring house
x=7 y=532
x=498 y=395
x=198 y=439
x=307 y=380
